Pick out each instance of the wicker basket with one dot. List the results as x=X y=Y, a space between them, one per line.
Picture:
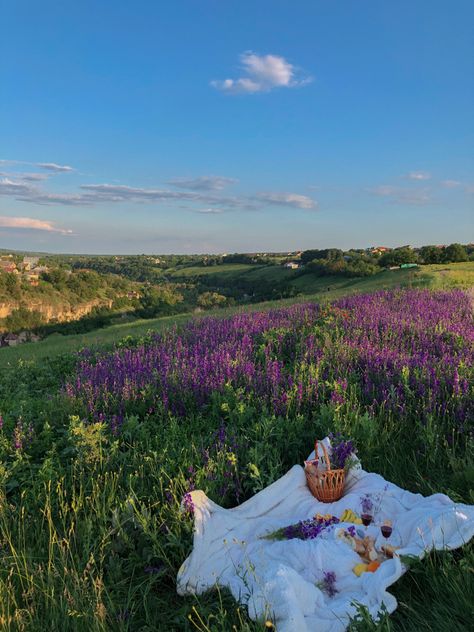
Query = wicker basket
x=326 y=485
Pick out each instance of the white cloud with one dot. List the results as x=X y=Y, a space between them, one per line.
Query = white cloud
x=419 y=175
x=15 y=187
x=383 y=190
x=450 y=184
x=30 y=223
x=210 y=211
x=288 y=199
x=25 y=177
x=52 y=166
x=262 y=73
x=416 y=197
x=32 y=177
x=203 y=183
x=105 y=193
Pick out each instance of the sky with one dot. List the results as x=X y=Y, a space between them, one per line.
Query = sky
x=235 y=125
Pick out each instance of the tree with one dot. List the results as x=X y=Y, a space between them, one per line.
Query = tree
x=431 y=254
x=454 y=253
x=211 y=299
x=159 y=300
x=12 y=285
x=330 y=254
x=397 y=257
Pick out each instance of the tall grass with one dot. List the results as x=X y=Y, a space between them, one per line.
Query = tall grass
x=91 y=531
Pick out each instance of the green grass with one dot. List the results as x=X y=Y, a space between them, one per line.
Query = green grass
x=224 y=270
x=57 y=344
x=311 y=287
x=84 y=515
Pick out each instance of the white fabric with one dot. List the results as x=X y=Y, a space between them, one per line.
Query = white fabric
x=278 y=579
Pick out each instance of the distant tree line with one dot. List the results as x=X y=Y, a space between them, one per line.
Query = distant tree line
x=359 y=263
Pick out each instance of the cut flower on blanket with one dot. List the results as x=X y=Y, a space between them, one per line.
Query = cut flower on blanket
x=314 y=583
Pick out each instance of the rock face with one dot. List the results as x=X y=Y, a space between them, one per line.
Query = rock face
x=62 y=313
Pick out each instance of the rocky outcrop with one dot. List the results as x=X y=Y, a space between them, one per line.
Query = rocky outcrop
x=61 y=313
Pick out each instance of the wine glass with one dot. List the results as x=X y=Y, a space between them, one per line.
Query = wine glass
x=366 y=519
x=386 y=529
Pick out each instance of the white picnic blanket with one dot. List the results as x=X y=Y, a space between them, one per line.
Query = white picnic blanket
x=278 y=579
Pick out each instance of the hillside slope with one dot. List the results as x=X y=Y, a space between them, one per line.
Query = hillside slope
x=312 y=288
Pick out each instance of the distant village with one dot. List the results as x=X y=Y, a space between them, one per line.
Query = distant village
x=29 y=269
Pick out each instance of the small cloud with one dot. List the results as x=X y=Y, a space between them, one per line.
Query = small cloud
x=288 y=199
x=52 y=166
x=25 y=177
x=450 y=184
x=415 y=198
x=48 y=199
x=12 y=162
x=209 y=211
x=203 y=183
x=402 y=195
x=15 y=187
x=29 y=223
x=419 y=175
x=262 y=73
x=383 y=190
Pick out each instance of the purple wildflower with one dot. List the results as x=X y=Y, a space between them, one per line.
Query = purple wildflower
x=341 y=450
x=367 y=503
x=329 y=583
x=401 y=351
x=308 y=529
x=188 y=504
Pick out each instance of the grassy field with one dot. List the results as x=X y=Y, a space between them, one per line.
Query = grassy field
x=311 y=287
x=224 y=270
x=91 y=531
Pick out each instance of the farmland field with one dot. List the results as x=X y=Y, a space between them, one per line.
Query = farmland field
x=99 y=448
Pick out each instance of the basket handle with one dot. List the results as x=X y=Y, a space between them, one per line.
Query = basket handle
x=325 y=452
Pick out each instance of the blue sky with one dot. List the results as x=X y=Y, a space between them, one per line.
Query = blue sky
x=222 y=126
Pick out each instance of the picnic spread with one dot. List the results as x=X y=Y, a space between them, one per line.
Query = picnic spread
x=312 y=548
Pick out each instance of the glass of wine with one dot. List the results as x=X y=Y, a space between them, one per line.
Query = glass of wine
x=366 y=519
x=386 y=529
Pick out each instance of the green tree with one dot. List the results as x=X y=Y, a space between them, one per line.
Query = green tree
x=330 y=254
x=56 y=277
x=397 y=257
x=12 y=286
x=159 y=300
x=454 y=253
x=431 y=254
x=211 y=299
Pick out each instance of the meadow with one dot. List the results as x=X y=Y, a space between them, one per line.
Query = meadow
x=309 y=286
x=99 y=447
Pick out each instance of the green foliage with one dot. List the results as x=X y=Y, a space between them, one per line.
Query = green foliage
x=354 y=267
x=211 y=299
x=23 y=318
x=329 y=254
x=398 y=256
x=431 y=254
x=159 y=300
x=93 y=535
x=455 y=253
x=11 y=285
